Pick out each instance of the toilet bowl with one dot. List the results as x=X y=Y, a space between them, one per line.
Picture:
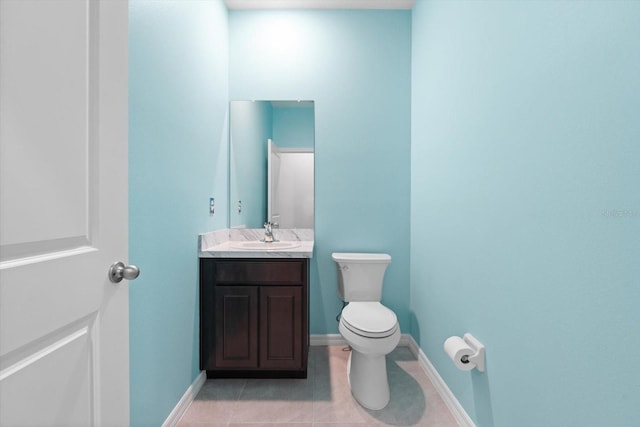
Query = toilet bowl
x=371 y=329
x=367 y=368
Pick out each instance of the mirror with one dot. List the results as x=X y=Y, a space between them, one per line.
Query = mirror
x=271 y=164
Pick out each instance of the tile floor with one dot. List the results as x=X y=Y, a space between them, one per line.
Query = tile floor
x=321 y=400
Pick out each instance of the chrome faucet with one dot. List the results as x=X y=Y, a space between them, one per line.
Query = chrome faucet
x=268 y=233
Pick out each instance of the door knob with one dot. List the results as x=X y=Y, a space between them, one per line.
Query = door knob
x=119 y=271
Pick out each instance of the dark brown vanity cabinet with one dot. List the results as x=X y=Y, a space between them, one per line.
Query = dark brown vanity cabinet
x=254 y=317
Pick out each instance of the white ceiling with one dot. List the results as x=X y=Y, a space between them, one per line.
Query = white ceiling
x=319 y=4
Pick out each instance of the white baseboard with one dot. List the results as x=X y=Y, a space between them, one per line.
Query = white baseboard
x=443 y=389
x=326 y=339
x=188 y=396
x=336 y=339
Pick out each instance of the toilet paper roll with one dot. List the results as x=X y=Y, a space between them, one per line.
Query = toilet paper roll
x=459 y=351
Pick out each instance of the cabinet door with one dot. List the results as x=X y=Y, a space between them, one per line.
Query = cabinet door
x=236 y=326
x=281 y=327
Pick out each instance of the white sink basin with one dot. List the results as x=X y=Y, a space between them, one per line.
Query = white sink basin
x=262 y=246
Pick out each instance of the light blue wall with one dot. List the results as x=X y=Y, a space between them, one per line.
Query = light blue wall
x=294 y=127
x=178 y=101
x=356 y=66
x=525 y=209
x=251 y=127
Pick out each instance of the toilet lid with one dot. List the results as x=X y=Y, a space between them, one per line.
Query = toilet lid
x=370 y=319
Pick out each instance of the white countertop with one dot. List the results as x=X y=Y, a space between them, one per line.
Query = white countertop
x=221 y=244
x=230 y=250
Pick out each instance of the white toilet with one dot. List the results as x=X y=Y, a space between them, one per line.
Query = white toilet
x=370 y=328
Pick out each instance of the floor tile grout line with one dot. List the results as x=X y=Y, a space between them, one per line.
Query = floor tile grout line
x=235 y=402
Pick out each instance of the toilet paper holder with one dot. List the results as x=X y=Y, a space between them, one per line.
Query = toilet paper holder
x=466 y=352
x=478 y=347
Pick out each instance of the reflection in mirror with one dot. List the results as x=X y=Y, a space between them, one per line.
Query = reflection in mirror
x=271 y=164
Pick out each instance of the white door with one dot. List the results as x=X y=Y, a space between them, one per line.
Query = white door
x=64 y=338
x=273 y=183
x=295 y=192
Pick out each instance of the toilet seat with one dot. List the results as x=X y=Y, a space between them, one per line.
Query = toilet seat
x=369 y=319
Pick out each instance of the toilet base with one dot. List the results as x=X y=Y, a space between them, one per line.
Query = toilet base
x=367 y=376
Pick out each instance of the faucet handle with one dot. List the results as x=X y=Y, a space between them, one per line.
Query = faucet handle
x=268 y=228
x=268 y=233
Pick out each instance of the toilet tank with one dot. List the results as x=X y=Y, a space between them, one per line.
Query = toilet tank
x=360 y=275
